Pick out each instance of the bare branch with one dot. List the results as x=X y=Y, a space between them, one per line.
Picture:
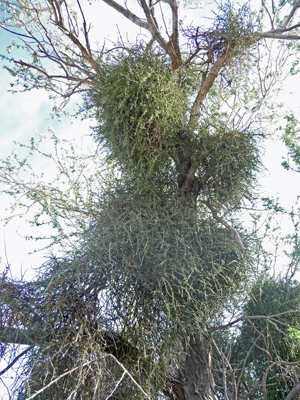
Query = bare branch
x=175 y=32
x=15 y=33
x=64 y=77
x=293 y=393
x=264 y=381
x=193 y=55
x=225 y=360
x=291 y=14
x=128 y=14
x=129 y=375
x=85 y=53
x=268 y=12
x=16 y=359
x=116 y=386
x=152 y=28
x=57 y=379
x=174 y=40
x=242 y=369
x=276 y=35
x=86 y=33
x=282 y=332
x=207 y=84
x=253 y=317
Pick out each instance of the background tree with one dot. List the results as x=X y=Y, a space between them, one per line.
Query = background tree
x=261 y=345
x=161 y=256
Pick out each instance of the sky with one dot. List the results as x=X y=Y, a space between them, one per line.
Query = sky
x=23 y=115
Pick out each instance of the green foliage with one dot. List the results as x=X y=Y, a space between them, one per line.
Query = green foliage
x=76 y=346
x=291 y=140
x=140 y=109
x=166 y=252
x=150 y=268
x=232 y=157
x=273 y=338
x=235 y=26
x=62 y=200
x=294 y=334
x=142 y=114
x=271 y=297
x=147 y=272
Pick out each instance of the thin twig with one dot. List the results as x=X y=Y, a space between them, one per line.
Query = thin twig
x=57 y=379
x=232 y=230
x=245 y=318
x=264 y=381
x=117 y=384
x=16 y=359
x=128 y=373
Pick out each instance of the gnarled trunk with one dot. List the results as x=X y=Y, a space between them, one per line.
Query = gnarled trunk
x=196 y=381
x=199 y=382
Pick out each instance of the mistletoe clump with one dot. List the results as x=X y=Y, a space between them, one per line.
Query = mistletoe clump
x=140 y=110
x=228 y=161
x=161 y=257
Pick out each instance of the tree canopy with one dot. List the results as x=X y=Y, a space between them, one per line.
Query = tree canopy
x=166 y=291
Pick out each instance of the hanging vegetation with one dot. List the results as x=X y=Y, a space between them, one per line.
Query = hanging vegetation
x=140 y=109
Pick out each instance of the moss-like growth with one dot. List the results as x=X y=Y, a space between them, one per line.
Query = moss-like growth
x=175 y=265
x=232 y=159
x=140 y=110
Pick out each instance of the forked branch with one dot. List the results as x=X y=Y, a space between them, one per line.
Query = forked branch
x=206 y=86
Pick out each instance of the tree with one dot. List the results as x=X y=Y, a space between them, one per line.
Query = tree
x=138 y=306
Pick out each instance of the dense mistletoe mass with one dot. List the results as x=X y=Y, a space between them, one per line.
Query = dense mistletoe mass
x=166 y=291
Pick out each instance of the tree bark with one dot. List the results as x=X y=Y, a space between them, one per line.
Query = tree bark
x=199 y=382
x=294 y=392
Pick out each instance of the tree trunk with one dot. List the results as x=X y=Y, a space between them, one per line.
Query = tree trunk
x=198 y=378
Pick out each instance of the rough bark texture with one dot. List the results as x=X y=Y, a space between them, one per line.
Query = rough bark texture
x=199 y=382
